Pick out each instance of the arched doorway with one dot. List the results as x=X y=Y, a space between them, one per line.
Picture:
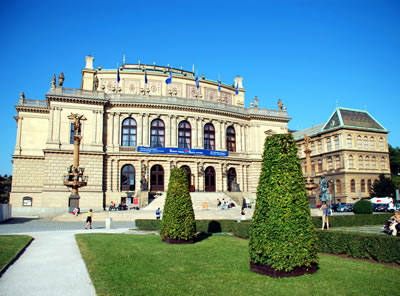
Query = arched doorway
x=231 y=176
x=157 y=178
x=210 y=179
x=128 y=178
x=189 y=176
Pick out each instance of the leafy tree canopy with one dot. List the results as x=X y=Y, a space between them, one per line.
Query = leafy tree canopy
x=383 y=187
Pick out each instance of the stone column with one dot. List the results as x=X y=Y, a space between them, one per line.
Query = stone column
x=174 y=131
x=110 y=131
x=51 y=124
x=194 y=133
x=116 y=129
x=238 y=138
x=99 y=137
x=168 y=131
x=223 y=137
x=243 y=138
x=58 y=125
x=200 y=136
x=139 y=133
x=94 y=127
x=146 y=130
x=247 y=137
x=19 y=133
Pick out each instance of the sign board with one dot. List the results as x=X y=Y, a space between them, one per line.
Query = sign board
x=182 y=151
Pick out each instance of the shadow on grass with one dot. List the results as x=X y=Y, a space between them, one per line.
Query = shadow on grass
x=201 y=236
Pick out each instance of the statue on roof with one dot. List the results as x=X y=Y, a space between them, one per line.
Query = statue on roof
x=280 y=104
x=53 y=81
x=61 y=79
x=95 y=83
x=21 y=97
x=256 y=102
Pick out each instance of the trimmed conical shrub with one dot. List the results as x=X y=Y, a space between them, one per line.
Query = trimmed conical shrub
x=178 y=223
x=282 y=238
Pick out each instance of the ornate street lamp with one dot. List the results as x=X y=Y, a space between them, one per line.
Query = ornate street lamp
x=74 y=178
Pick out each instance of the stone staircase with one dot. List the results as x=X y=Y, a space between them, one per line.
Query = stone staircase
x=199 y=199
x=157 y=202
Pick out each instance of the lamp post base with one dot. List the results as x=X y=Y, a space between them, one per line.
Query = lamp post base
x=73 y=202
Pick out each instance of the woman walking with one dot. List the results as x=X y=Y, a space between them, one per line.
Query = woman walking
x=326 y=211
x=89 y=219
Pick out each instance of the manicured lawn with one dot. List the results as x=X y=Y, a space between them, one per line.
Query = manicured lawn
x=143 y=265
x=10 y=245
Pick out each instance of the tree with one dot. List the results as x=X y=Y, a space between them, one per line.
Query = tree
x=178 y=223
x=282 y=237
x=394 y=154
x=382 y=187
x=5 y=188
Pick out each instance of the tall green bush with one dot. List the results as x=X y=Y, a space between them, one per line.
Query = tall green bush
x=178 y=222
x=363 y=206
x=281 y=233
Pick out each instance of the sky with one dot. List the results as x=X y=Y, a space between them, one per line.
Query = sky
x=313 y=55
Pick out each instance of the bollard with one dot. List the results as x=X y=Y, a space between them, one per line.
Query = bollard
x=108 y=223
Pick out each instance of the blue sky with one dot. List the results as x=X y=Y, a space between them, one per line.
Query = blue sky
x=311 y=54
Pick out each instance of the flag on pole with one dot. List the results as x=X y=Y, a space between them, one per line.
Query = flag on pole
x=219 y=85
x=237 y=88
x=145 y=77
x=197 y=82
x=169 y=79
x=118 y=78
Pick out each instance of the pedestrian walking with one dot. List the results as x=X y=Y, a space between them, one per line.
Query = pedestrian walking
x=158 y=214
x=89 y=219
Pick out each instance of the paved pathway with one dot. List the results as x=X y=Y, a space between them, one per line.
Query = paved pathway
x=52 y=264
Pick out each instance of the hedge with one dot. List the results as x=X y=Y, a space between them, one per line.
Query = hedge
x=353 y=220
x=382 y=248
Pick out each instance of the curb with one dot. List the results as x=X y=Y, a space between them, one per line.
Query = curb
x=4 y=269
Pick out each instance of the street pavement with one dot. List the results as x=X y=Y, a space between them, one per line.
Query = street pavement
x=52 y=264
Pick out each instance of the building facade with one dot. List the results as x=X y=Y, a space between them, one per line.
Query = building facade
x=136 y=128
x=350 y=150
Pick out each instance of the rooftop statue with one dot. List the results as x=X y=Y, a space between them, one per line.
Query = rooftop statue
x=280 y=104
x=53 y=81
x=256 y=102
x=95 y=83
x=61 y=79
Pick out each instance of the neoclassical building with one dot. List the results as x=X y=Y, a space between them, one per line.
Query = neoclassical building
x=350 y=149
x=136 y=128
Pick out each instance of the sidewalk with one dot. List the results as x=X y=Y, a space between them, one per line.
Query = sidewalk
x=51 y=265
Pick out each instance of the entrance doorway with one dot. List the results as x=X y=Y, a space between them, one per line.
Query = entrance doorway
x=231 y=176
x=210 y=179
x=157 y=178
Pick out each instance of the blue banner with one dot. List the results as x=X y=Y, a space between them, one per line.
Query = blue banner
x=184 y=151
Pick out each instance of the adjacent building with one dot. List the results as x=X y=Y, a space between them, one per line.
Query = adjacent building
x=139 y=122
x=350 y=149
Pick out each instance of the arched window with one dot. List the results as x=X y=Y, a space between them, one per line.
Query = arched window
x=129 y=132
x=382 y=163
x=351 y=163
x=372 y=143
x=338 y=162
x=209 y=137
x=319 y=165
x=157 y=133
x=373 y=162
x=184 y=135
x=27 y=201
x=349 y=141
x=365 y=142
x=319 y=146
x=338 y=186
x=362 y=185
x=313 y=166
x=367 y=162
x=360 y=162
x=337 y=143
x=353 y=185
x=369 y=185
x=359 y=143
x=329 y=144
x=230 y=139
x=127 y=178
x=381 y=143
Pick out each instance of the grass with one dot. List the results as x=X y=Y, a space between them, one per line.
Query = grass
x=218 y=265
x=10 y=246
